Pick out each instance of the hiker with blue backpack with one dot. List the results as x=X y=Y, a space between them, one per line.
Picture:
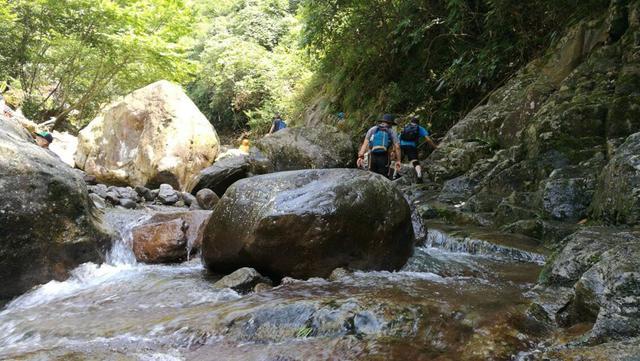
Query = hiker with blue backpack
x=409 y=138
x=380 y=142
x=277 y=124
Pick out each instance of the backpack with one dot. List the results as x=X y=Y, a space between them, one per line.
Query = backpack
x=410 y=133
x=380 y=141
x=280 y=124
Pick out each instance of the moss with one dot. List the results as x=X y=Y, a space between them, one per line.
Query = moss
x=545 y=276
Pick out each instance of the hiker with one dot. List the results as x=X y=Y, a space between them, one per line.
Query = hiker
x=409 y=138
x=43 y=139
x=244 y=146
x=380 y=141
x=277 y=124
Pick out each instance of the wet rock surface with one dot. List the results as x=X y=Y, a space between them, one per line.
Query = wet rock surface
x=243 y=280
x=360 y=316
x=169 y=237
x=598 y=271
x=276 y=223
x=48 y=224
x=320 y=146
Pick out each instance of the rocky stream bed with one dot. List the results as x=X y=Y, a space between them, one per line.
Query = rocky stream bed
x=452 y=300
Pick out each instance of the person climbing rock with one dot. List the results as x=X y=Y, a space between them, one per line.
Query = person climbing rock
x=244 y=146
x=43 y=139
x=277 y=124
x=409 y=138
x=381 y=142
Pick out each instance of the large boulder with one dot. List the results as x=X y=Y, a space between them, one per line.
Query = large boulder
x=222 y=174
x=48 y=225
x=307 y=223
x=169 y=237
x=154 y=135
x=320 y=146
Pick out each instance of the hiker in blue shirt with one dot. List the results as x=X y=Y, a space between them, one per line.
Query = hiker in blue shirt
x=409 y=138
x=379 y=142
x=277 y=124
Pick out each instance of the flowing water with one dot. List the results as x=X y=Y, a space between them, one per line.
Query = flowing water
x=459 y=297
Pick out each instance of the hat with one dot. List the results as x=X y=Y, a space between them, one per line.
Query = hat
x=46 y=135
x=388 y=118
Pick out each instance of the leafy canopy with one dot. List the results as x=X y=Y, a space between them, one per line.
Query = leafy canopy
x=71 y=56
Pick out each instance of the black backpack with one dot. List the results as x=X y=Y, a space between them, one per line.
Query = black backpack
x=410 y=133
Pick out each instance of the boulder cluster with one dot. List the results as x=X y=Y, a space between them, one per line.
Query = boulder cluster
x=138 y=197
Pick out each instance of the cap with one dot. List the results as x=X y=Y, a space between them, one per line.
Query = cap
x=388 y=118
x=46 y=135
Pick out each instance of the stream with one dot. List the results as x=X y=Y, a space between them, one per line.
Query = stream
x=460 y=296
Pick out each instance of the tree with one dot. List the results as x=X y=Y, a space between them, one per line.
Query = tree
x=250 y=63
x=72 y=56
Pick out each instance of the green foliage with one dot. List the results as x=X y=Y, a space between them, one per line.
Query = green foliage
x=304 y=332
x=72 y=56
x=250 y=64
x=441 y=56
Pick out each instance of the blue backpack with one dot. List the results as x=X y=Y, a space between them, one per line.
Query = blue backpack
x=380 y=141
x=280 y=124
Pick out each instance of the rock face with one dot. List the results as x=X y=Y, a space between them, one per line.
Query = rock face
x=154 y=135
x=599 y=268
x=618 y=197
x=48 y=225
x=307 y=223
x=169 y=237
x=557 y=142
x=320 y=146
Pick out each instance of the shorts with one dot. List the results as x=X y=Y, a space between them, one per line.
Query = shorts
x=409 y=152
x=379 y=163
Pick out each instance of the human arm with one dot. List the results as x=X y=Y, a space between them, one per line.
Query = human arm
x=398 y=154
x=430 y=142
x=425 y=134
x=273 y=127
x=363 y=150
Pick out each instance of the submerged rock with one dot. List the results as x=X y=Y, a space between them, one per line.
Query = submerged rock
x=169 y=237
x=243 y=280
x=320 y=146
x=307 y=223
x=154 y=135
x=48 y=224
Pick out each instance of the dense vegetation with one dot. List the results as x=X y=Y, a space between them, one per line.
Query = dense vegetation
x=243 y=60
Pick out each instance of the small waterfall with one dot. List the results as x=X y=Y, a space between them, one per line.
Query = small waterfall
x=465 y=244
x=121 y=252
